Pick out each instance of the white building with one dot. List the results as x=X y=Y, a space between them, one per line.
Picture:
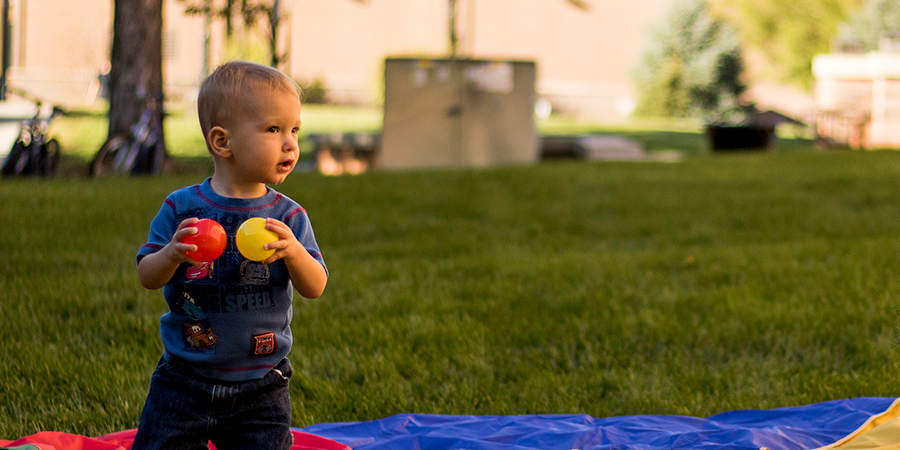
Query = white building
x=858 y=98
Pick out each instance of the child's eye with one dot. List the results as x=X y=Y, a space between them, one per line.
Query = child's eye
x=272 y=129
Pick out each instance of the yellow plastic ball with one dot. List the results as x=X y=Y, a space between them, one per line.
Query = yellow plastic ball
x=251 y=238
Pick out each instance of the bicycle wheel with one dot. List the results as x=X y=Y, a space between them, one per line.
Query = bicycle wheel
x=104 y=162
x=16 y=160
x=49 y=158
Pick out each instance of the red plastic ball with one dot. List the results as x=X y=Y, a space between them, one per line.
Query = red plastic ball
x=210 y=240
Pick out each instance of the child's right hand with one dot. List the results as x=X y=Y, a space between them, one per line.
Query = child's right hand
x=176 y=249
x=156 y=269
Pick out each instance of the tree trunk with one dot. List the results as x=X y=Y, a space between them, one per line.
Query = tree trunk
x=136 y=63
x=274 y=22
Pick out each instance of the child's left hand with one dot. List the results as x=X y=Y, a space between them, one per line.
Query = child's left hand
x=287 y=246
x=307 y=274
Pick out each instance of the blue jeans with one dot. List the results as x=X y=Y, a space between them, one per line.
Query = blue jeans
x=186 y=412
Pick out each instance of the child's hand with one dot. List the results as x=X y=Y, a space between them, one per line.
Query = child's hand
x=287 y=246
x=176 y=249
x=307 y=274
x=156 y=269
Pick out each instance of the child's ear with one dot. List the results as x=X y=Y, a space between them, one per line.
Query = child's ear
x=219 y=142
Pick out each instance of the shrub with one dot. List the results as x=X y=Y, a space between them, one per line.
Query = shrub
x=692 y=67
x=314 y=92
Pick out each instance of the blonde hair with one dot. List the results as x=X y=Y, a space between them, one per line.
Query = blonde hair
x=221 y=93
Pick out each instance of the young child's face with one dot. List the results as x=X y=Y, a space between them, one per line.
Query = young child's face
x=263 y=137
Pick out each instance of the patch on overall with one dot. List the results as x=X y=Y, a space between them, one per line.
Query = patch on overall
x=199 y=338
x=264 y=344
x=202 y=272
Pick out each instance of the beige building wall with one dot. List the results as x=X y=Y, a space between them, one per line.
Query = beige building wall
x=584 y=59
x=60 y=47
x=345 y=42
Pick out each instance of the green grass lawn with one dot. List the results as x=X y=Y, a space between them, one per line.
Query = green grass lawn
x=727 y=281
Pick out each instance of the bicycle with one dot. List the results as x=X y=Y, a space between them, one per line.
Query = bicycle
x=34 y=153
x=138 y=151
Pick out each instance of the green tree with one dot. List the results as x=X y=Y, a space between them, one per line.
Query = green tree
x=868 y=25
x=692 y=67
x=786 y=35
x=250 y=13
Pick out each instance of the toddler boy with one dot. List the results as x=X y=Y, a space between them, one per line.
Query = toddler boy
x=224 y=374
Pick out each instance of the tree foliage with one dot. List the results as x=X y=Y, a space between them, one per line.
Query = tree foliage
x=786 y=34
x=692 y=67
x=230 y=10
x=248 y=12
x=868 y=25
